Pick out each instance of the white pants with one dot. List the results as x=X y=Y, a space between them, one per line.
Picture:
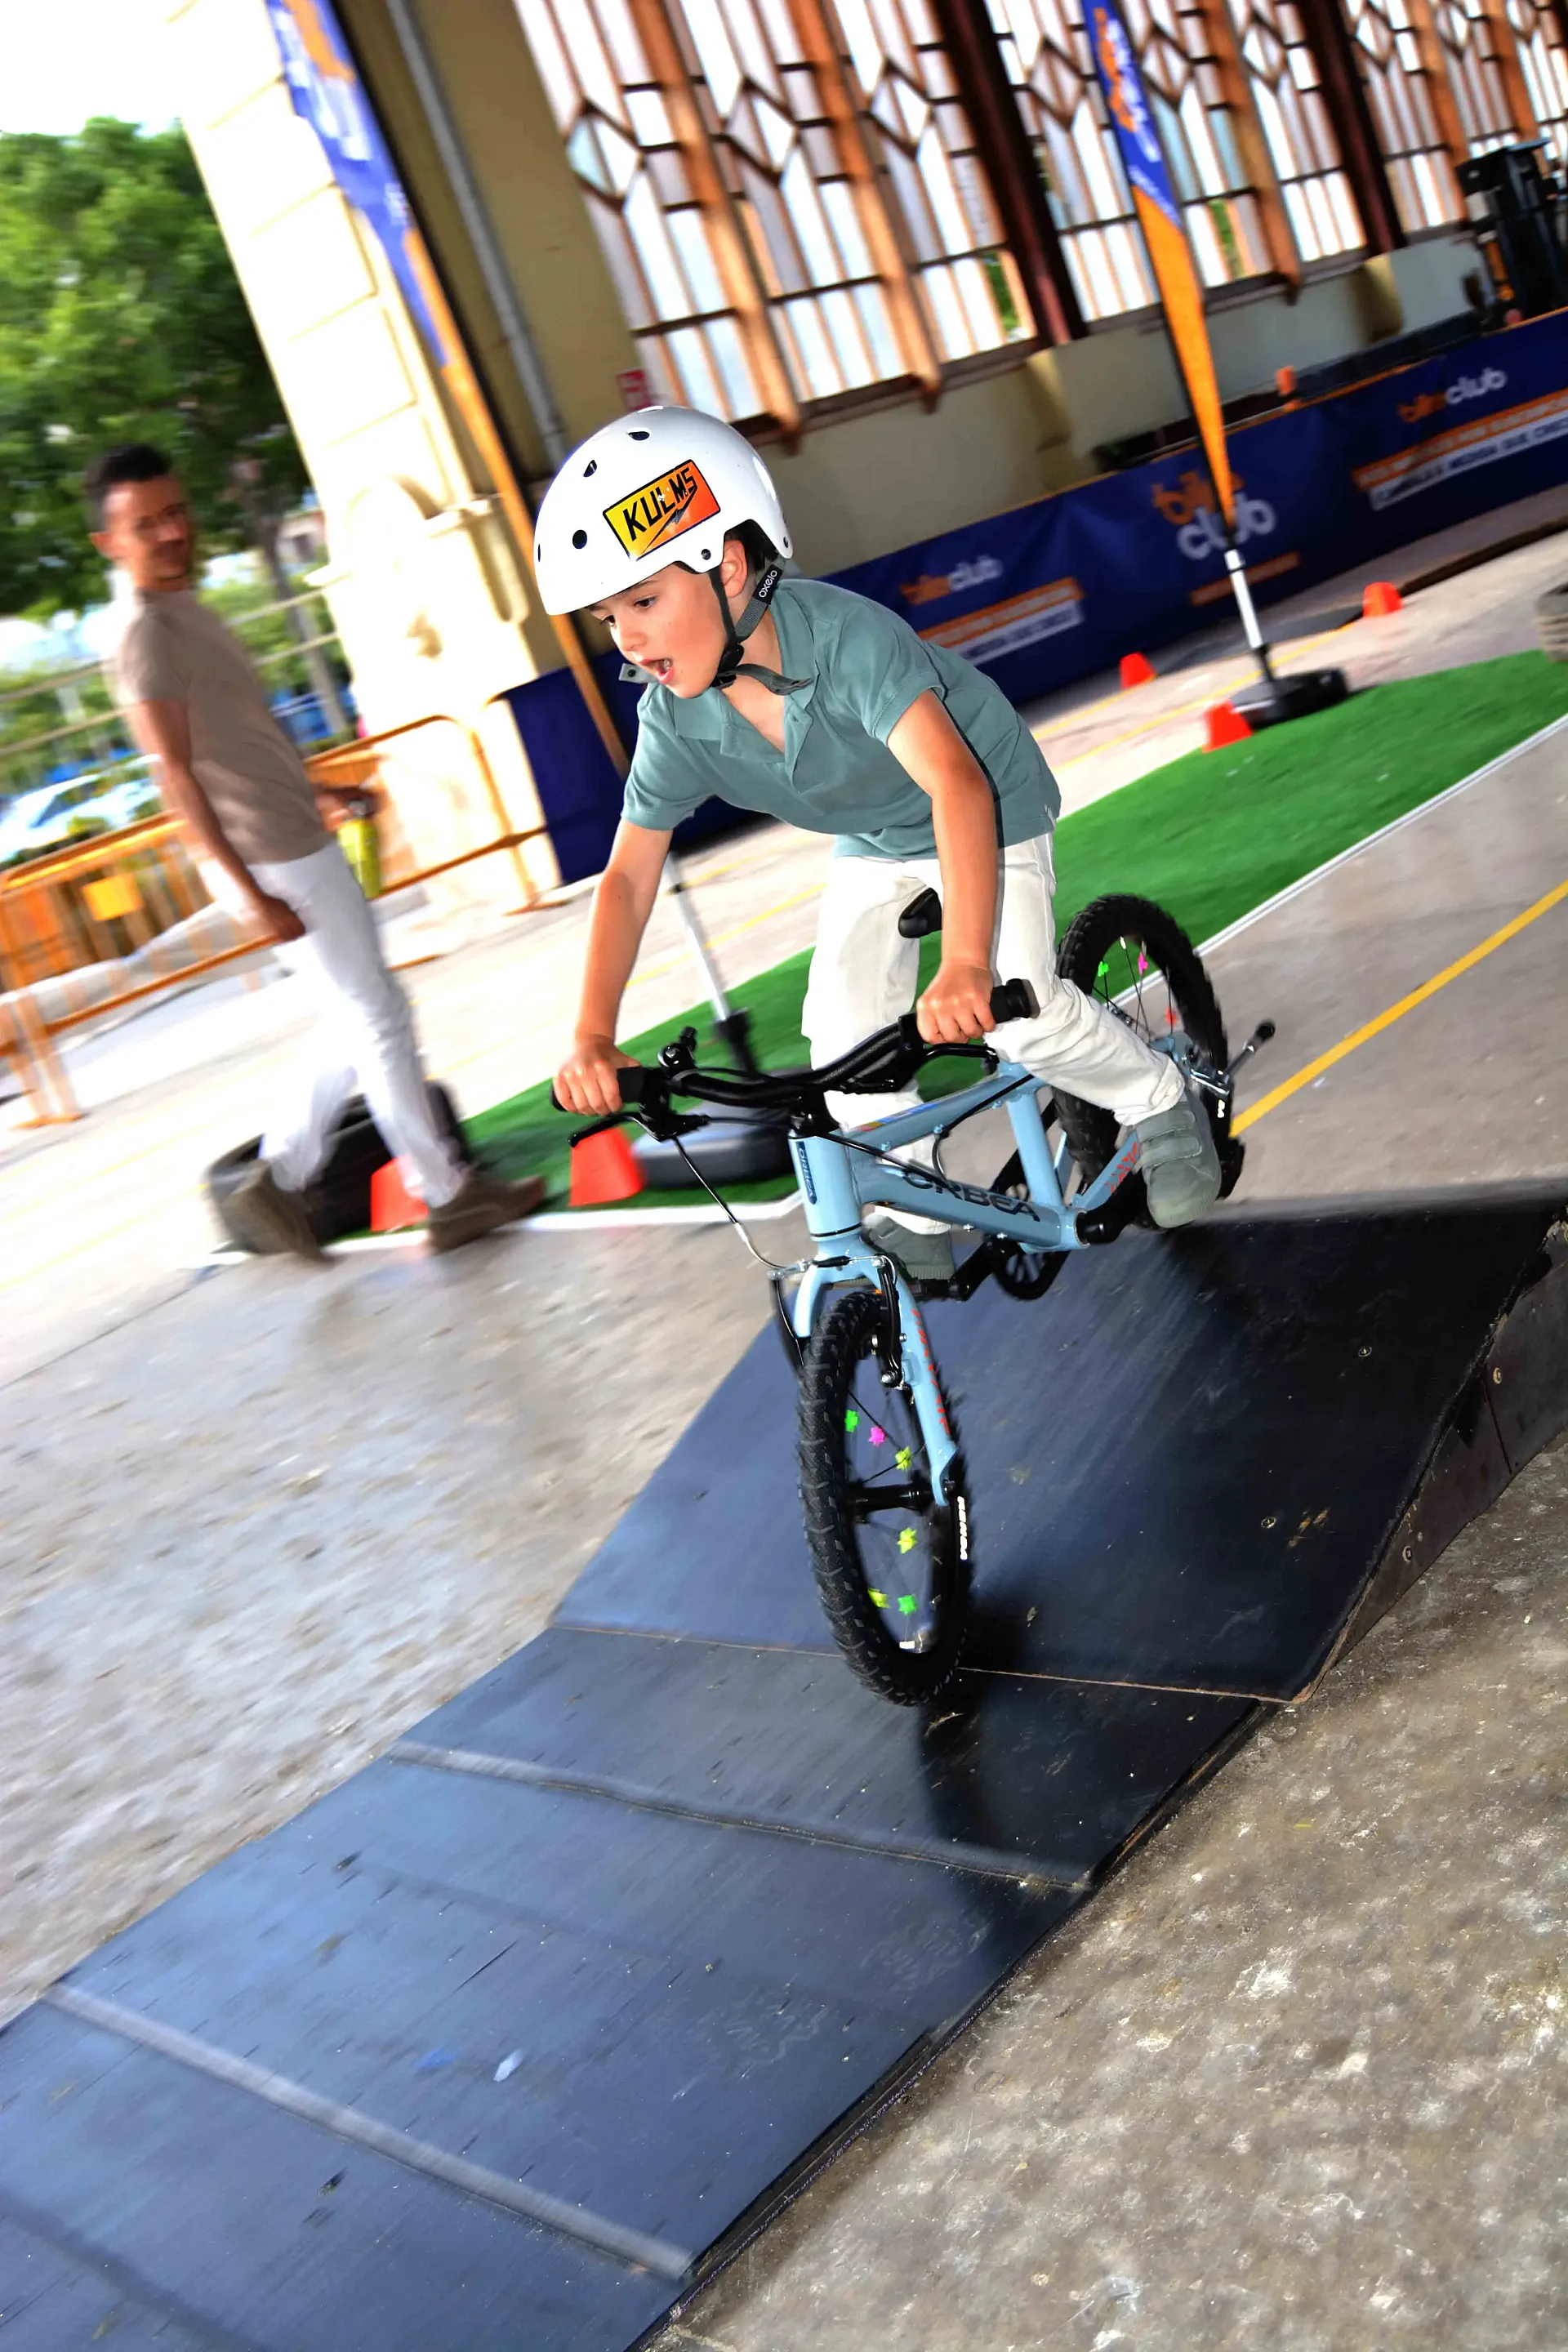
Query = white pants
x=364 y=1031
x=863 y=976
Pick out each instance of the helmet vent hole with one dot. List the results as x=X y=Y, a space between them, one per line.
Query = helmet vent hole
x=591 y=467
x=639 y=434
x=578 y=539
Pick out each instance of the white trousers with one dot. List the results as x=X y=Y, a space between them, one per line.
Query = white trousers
x=863 y=976
x=365 y=1033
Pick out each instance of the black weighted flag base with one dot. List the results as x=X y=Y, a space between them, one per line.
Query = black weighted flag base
x=1268 y=701
x=518 y=2035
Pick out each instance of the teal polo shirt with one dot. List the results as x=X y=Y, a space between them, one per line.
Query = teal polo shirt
x=863 y=667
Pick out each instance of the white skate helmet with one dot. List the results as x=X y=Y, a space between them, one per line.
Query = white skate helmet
x=662 y=486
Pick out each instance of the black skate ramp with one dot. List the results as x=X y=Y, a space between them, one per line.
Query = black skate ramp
x=511 y=2040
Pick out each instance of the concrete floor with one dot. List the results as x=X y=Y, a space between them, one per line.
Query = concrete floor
x=1288 y=2082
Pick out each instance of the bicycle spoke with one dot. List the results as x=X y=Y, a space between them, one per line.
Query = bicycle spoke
x=888 y=1491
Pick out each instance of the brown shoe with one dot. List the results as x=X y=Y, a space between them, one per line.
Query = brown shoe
x=484 y=1203
x=271 y=1222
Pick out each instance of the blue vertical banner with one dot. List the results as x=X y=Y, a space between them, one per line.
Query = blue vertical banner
x=1164 y=234
x=328 y=94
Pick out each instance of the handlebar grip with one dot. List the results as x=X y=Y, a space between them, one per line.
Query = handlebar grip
x=1015 y=1000
x=631 y=1084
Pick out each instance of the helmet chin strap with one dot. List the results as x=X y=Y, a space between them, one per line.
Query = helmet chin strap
x=731 y=663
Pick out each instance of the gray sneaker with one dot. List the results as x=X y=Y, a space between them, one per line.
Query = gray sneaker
x=1180 y=1164
x=484 y=1203
x=271 y=1222
x=925 y=1257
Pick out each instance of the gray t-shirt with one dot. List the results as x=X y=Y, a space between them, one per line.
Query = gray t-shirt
x=173 y=650
x=864 y=668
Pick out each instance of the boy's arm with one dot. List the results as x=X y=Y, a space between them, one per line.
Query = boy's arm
x=623 y=902
x=925 y=742
x=162 y=728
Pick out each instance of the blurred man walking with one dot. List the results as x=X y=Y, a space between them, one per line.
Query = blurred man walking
x=226 y=767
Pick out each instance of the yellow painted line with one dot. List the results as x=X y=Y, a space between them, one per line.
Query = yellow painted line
x=1397 y=1011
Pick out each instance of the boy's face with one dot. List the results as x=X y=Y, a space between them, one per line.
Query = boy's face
x=670 y=625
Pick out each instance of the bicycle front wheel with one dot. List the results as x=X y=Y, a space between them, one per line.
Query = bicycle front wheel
x=889 y=1552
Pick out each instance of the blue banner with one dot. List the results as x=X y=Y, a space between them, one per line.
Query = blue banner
x=327 y=92
x=1045 y=594
x=1142 y=157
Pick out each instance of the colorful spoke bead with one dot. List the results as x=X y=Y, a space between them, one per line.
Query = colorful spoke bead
x=908 y=1604
x=907 y=1538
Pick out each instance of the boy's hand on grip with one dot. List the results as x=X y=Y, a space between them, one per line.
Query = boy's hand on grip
x=957 y=1005
x=587 y=1081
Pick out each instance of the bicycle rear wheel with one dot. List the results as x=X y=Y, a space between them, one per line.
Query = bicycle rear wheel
x=889 y=1552
x=1137 y=961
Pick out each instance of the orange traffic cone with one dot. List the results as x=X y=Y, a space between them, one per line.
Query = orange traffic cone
x=1224 y=725
x=1379 y=598
x=603 y=1168
x=391 y=1202
x=1137 y=669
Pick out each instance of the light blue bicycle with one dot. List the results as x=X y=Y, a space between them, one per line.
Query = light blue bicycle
x=883 y=1487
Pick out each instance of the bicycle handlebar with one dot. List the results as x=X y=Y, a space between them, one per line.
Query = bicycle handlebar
x=882 y=1062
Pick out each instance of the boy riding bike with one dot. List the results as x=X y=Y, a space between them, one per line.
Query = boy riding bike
x=811 y=704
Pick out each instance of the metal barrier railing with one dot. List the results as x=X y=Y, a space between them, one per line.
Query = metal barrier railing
x=30 y=763
x=80 y=898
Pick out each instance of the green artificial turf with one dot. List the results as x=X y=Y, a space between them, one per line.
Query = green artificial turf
x=1209 y=837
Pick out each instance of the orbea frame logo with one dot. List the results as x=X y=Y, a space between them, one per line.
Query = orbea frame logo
x=1189 y=504
x=661 y=510
x=1454 y=395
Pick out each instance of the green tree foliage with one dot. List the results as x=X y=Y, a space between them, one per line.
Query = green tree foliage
x=122 y=319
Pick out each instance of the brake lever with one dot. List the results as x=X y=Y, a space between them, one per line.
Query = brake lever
x=598 y=1126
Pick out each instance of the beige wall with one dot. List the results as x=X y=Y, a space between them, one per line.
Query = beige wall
x=420 y=573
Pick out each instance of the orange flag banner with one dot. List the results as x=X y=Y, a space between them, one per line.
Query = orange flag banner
x=1165 y=235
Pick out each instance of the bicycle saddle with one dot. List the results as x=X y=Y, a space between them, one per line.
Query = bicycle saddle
x=921 y=917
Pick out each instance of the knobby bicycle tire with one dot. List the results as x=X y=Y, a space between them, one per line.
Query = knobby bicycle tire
x=838 y=1348
x=1092 y=1132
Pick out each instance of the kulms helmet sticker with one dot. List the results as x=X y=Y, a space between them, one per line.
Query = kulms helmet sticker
x=661 y=510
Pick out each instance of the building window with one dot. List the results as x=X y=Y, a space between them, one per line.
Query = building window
x=1182 y=78
x=1472 y=54
x=1400 y=95
x=763 y=110
x=656 y=237
x=1287 y=90
x=1044 y=50
x=1543 y=62
x=788 y=236
x=902 y=80
x=1044 y=53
